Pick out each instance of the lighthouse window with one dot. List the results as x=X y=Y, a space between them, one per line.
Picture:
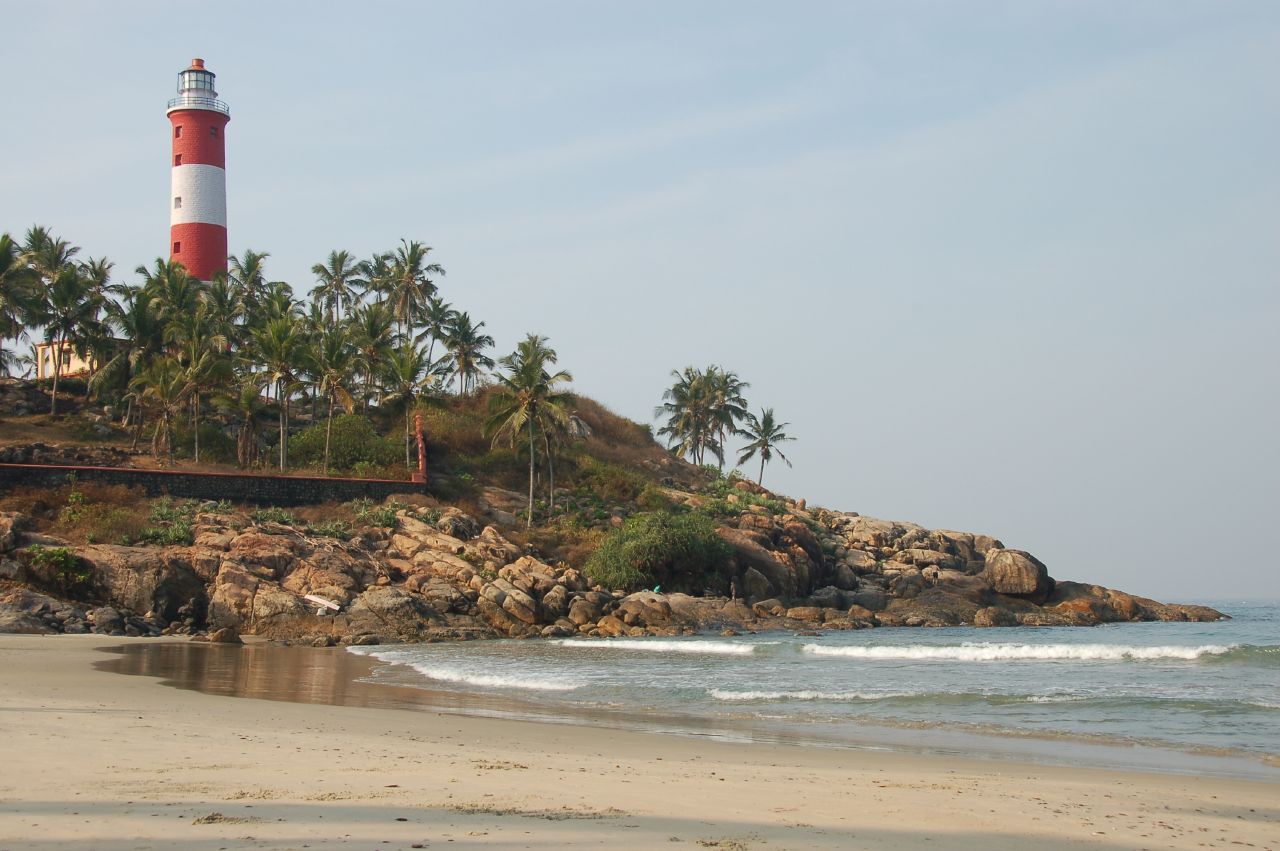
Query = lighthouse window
x=177 y=131
x=177 y=202
x=213 y=131
x=177 y=248
x=177 y=159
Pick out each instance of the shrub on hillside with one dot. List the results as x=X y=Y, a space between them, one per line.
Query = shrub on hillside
x=679 y=552
x=215 y=446
x=354 y=441
x=610 y=482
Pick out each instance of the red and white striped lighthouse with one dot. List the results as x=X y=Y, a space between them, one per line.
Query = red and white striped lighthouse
x=198 y=202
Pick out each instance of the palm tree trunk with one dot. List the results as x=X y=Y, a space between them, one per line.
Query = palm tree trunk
x=328 y=435
x=137 y=430
x=551 y=474
x=529 y=519
x=283 y=415
x=760 y=480
x=408 y=412
x=195 y=422
x=57 y=370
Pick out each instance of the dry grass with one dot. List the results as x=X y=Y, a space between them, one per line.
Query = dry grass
x=84 y=512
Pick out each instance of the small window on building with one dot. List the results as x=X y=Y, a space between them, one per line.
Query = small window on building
x=177 y=202
x=177 y=131
x=177 y=159
x=213 y=131
x=177 y=248
x=66 y=358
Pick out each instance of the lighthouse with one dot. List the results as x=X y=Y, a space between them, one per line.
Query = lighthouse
x=198 y=200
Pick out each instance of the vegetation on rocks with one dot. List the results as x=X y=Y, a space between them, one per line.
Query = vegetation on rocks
x=679 y=552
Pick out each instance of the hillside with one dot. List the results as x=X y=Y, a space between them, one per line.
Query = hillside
x=720 y=553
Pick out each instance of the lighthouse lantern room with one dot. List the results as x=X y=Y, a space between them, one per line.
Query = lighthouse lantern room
x=198 y=200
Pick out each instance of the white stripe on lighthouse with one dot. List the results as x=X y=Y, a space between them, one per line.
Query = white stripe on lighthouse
x=199 y=195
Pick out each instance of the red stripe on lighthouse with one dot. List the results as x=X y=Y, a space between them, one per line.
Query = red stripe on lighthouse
x=200 y=247
x=198 y=137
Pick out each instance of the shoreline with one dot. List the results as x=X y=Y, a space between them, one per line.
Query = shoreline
x=107 y=761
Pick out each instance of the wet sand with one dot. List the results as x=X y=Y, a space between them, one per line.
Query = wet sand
x=93 y=759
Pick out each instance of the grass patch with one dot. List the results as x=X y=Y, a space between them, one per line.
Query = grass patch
x=679 y=552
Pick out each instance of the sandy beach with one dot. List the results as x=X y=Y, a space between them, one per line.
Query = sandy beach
x=94 y=759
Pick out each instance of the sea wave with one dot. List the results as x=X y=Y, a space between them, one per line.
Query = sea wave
x=841 y=696
x=719 y=648
x=975 y=652
x=453 y=675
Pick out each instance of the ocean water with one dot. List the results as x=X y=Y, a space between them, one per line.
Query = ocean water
x=1133 y=690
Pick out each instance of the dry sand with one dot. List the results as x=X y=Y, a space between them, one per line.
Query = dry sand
x=91 y=759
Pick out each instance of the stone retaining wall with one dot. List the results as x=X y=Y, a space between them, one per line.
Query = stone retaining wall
x=235 y=487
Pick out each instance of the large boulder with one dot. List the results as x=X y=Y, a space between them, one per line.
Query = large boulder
x=1018 y=573
x=391 y=614
x=750 y=554
x=146 y=579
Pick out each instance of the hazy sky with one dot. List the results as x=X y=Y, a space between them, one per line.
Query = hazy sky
x=1007 y=267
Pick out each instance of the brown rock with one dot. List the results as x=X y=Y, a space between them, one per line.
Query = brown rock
x=1018 y=574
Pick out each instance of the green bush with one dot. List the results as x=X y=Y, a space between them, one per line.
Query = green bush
x=273 y=515
x=354 y=441
x=331 y=529
x=369 y=513
x=178 y=533
x=680 y=552
x=62 y=568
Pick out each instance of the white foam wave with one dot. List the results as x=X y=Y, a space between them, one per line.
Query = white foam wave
x=720 y=648
x=452 y=675
x=724 y=694
x=1018 y=652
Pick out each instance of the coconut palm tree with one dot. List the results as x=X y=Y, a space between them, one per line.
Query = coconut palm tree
x=406 y=376
x=465 y=345
x=19 y=284
x=338 y=280
x=164 y=385
x=528 y=400
x=173 y=292
x=68 y=314
x=138 y=339
x=333 y=361
x=728 y=406
x=437 y=315
x=688 y=405
x=244 y=400
x=765 y=436
x=201 y=351
x=225 y=307
x=247 y=274
x=278 y=348
x=374 y=339
x=409 y=283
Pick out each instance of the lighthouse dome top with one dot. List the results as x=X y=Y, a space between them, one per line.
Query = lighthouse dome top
x=195 y=90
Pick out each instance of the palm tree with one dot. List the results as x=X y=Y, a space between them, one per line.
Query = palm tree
x=173 y=292
x=68 y=314
x=165 y=384
x=409 y=285
x=334 y=363
x=244 y=399
x=278 y=348
x=765 y=436
x=247 y=274
x=18 y=288
x=225 y=309
x=528 y=400
x=202 y=355
x=374 y=340
x=339 y=277
x=437 y=316
x=687 y=404
x=406 y=375
x=466 y=346
x=139 y=339
x=728 y=406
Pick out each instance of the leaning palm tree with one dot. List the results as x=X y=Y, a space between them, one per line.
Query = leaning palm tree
x=337 y=278
x=277 y=347
x=528 y=400
x=765 y=436
x=465 y=345
x=333 y=362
